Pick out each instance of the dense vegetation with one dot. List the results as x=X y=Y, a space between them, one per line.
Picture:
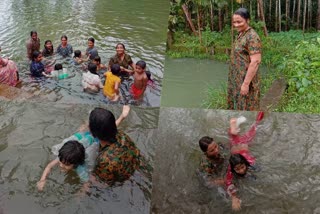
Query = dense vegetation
x=292 y=54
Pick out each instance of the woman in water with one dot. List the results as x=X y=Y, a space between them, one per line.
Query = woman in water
x=64 y=49
x=8 y=72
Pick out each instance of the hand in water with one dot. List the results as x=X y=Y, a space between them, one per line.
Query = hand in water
x=40 y=185
x=236 y=203
x=125 y=111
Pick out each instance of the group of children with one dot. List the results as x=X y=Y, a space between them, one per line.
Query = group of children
x=241 y=162
x=91 y=79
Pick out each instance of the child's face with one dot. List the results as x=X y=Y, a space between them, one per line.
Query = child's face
x=139 y=70
x=39 y=58
x=90 y=44
x=65 y=167
x=240 y=168
x=49 y=45
x=213 y=150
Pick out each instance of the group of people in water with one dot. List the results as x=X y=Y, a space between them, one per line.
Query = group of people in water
x=120 y=69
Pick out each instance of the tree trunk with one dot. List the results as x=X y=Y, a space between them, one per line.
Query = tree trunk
x=265 y=31
x=298 y=13
x=287 y=14
x=220 y=20
x=304 y=15
x=211 y=16
x=310 y=14
x=188 y=17
x=276 y=15
x=199 y=24
x=270 y=11
x=279 y=15
x=318 y=16
x=293 y=10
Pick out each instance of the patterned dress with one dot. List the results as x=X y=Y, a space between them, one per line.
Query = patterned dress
x=118 y=161
x=65 y=51
x=248 y=43
x=8 y=72
x=124 y=63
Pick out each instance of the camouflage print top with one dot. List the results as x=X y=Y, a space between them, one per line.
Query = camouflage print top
x=124 y=63
x=214 y=166
x=248 y=43
x=118 y=161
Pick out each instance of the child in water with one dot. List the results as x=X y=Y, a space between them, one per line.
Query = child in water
x=111 y=87
x=78 y=59
x=140 y=80
x=78 y=152
x=213 y=160
x=240 y=160
x=48 y=49
x=91 y=81
x=97 y=60
x=37 y=69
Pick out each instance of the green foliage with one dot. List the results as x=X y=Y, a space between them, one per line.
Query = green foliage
x=216 y=98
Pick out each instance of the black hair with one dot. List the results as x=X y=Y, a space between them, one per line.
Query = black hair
x=141 y=64
x=47 y=42
x=72 y=152
x=97 y=59
x=102 y=124
x=121 y=45
x=91 y=39
x=64 y=37
x=32 y=32
x=115 y=69
x=58 y=66
x=236 y=159
x=243 y=12
x=204 y=142
x=148 y=73
x=35 y=55
x=77 y=53
x=92 y=68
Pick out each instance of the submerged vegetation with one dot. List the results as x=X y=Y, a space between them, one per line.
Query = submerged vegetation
x=201 y=29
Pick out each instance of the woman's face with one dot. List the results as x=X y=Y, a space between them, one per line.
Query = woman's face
x=90 y=44
x=213 y=150
x=49 y=45
x=64 y=41
x=120 y=49
x=240 y=23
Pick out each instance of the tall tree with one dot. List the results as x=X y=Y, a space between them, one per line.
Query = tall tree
x=287 y=14
x=260 y=4
x=279 y=15
x=298 y=13
x=304 y=15
x=318 y=16
x=188 y=17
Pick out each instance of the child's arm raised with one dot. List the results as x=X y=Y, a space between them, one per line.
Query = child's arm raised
x=45 y=173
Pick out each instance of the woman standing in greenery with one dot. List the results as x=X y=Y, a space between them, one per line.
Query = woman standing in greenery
x=243 y=78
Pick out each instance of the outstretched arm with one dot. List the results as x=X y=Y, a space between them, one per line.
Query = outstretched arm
x=231 y=190
x=41 y=183
x=123 y=115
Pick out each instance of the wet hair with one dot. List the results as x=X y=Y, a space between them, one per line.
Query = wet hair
x=72 y=152
x=148 y=73
x=243 y=12
x=204 y=142
x=92 y=68
x=115 y=69
x=77 y=53
x=35 y=55
x=32 y=32
x=236 y=159
x=102 y=124
x=97 y=59
x=58 y=66
x=91 y=39
x=64 y=37
x=141 y=64
x=121 y=45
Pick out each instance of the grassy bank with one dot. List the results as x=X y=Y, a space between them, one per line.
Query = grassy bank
x=292 y=55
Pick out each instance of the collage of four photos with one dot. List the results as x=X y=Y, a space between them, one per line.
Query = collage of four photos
x=164 y=106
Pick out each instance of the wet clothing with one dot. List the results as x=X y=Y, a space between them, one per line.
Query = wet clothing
x=215 y=166
x=8 y=72
x=93 y=52
x=47 y=52
x=91 y=81
x=136 y=92
x=118 y=161
x=124 y=63
x=36 y=69
x=111 y=80
x=65 y=51
x=242 y=139
x=91 y=146
x=32 y=46
x=247 y=43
